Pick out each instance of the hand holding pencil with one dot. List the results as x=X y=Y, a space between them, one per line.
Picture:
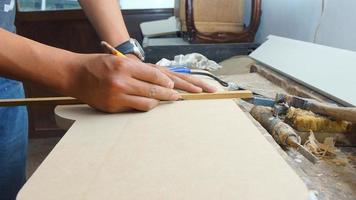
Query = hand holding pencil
x=107 y=47
x=115 y=84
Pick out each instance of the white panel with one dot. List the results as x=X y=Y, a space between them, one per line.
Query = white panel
x=146 y=4
x=328 y=69
x=159 y=27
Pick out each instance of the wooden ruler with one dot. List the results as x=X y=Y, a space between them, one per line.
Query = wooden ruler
x=72 y=101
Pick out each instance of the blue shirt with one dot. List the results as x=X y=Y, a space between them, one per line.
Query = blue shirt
x=7 y=19
x=7 y=15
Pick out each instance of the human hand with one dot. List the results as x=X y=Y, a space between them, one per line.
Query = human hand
x=184 y=82
x=133 y=56
x=113 y=84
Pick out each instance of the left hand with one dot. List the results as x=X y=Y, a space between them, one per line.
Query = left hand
x=184 y=82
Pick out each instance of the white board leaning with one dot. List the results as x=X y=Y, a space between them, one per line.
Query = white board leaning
x=328 y=70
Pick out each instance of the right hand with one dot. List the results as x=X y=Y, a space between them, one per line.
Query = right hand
x=113 y=84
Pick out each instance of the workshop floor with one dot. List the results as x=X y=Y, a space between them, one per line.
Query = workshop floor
x=38 y=149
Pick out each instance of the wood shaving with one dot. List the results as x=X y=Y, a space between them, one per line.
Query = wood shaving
x=321 y=150
x=303 y=120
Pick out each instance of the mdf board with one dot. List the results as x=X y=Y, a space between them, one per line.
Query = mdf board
x=330 y=71
x=199 y=149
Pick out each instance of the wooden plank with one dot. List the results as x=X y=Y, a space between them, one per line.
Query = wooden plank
x=325 y=69
x=40 y=101
x=244 y=94
x=72 y=101
x=181 y=150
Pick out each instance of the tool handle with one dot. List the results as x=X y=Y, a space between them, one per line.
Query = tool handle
x=343 y=113
x=184 y=70
x=281 y=132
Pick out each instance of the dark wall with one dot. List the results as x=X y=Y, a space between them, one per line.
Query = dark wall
x=69 y=30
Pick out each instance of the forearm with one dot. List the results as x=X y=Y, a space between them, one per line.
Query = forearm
x=106 y=82
x=107 y=20
x=24 y=59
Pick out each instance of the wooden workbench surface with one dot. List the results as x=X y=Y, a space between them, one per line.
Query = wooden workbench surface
x=328 y=178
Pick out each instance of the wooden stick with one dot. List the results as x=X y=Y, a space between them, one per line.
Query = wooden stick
x=73 y=101
x=245 y=94
x=40 y=101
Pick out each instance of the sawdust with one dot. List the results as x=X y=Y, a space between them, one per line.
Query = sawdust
x=326 y=149
x=352 y=160
x=340 y=162
x=303 y=120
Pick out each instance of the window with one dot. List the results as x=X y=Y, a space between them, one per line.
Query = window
x=38 y=5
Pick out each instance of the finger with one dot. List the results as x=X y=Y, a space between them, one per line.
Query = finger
x=183 y=84
x=139 y=103
x=153 y=75
x=119 y=109
x=177 y=77
x=178 y=82
x=196 y=81
x=144 y=89
x=115 y=107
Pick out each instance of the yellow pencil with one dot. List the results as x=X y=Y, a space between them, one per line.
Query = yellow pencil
x=111 y=49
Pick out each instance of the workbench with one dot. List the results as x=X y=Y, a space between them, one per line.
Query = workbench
x=198 y=149
x=328 y=178
x=325 y=180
